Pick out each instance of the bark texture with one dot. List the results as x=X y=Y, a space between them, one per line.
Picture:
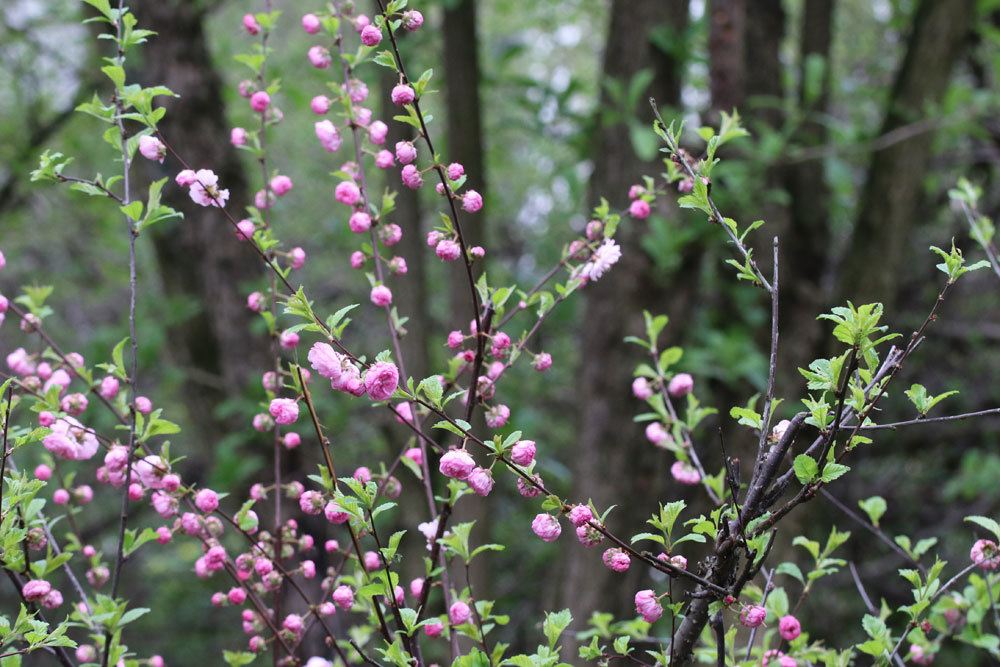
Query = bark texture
x=611 y=446
x=199 y=261
x=892 y=193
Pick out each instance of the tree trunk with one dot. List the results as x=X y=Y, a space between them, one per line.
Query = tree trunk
x=805 y=257
x=200 y=261
x=893 y=191
x=611 y=447
x=727 y=66
x=465 y=132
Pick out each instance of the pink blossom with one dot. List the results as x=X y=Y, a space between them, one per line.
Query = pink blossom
x=481 y=481
x=529 y=490
x=472 y=201
x=647 y=606
x=284 y=410
x=639 y=209
x=542 y=362
x=143 y=405
x=260 y=101
x=589 y=536
x=297 y=257
x=288 y=340
x=335 y=514
x=580 y=515
x=281 y=185
x=328 y=136
x=207 y=501
x=455 y=171
x=412 y=19
x=291 y=440
x=371 y=36
x=372 y=561
x=594 y=230
x=497 y=416
x=412 y=178
x=377 y=132
x=381 y=296
x=459 y=613
x=163 y=535
x=680 y=385
x=616 y=560
x=434 y=629
x=605 y=256
x=685 y=473
x=43 y=472
x=381 y=380
x=35 y=589
x=406 y=152
x=205 y=191
x=349 y=380
x=457 y=464
x=343 y=596
x=789 y=627
x=402 y=94
x=245 y=229
x=360 y=222
x=657 y=434
x=151 y=469
x=384 y=159
x=415 y=454
x=152 y=148
x=347 y=193
x=523 y=452
x=641 y=389
x=636 y=191
x=390 y=234
x=250 y=24
x=70 y=440
x=546 y=527
x=238 y=136
x=319 y=57
x=919 y=656
x=448 y=250
x=985 y=554
x=293 y=623
x=320 y=104
x=60 y=497
x=109 y=387
x=311 y=23
x=256 y=302
x=325 y=360
x=75 y=404
x=753 y=616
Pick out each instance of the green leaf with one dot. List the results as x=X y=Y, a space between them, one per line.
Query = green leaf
x=555 y=623
x=987 y=523
x=805 y=468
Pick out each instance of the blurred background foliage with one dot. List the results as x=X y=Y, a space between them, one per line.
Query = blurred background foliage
x=863 y=114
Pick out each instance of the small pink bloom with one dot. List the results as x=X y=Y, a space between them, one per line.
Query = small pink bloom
x=546 y=527
x=152 y=148
x=245 y=229
x=472 y=201
x=639 y=209
x=284 y=410
x=412 y=19
x=685 y=473
x=680 y=385
x=457 y=464
x=406 y=152
x=616 y=560
x=109 y=387
x=542 y=362
x=497 y=416
x=335 y=514
x=481 y=481
x=260 y=101
x=250 y=24
x=381 y=380
x=291 y=440
x=402 y=94
x=753 y=616
x=412 y=177
x=281 y=185
x=789 y=627
x=459 y=613
x=256 y=302
x=657 y=434
x=580 y=515
x=288 y=340
x=434 y=629
x=207 y=501
x=319 y=57
x=448 y=250
x=641 y=389
x=143 y=405
x=381 y=296
x=347 y=193
x=328 y=137
x=384 y=159
x=311 y=23
x=35 y=589
x=371 y=36
x=985 y=554
x=523 y=452
x=343 y=596
x=360 y=222
x=647 y=606
x=320 y=104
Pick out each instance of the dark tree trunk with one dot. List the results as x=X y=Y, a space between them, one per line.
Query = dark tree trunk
x=805 y=258
x=200 y=261
x=611 y=447
x=727 y=66
x=465 y=131
x=892 y=193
